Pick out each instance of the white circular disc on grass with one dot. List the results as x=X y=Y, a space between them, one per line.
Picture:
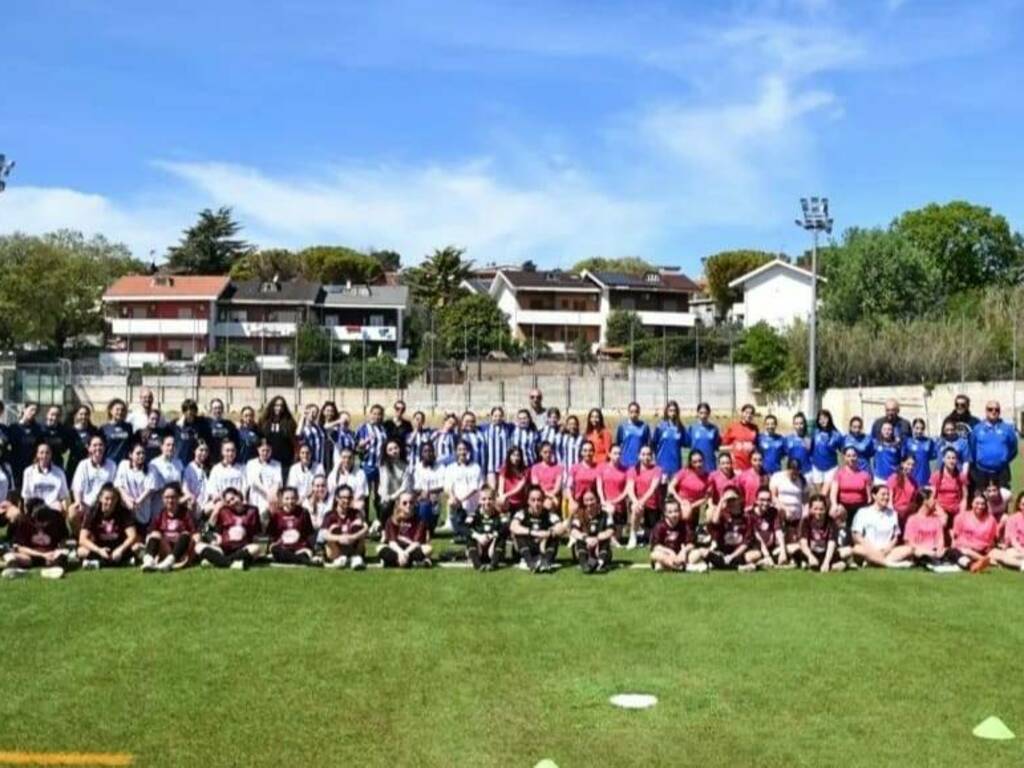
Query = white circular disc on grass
x=634 y=700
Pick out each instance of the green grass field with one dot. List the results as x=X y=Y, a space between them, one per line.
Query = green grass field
x=452 y=668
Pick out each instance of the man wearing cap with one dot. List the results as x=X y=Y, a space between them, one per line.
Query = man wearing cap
x=992 y=446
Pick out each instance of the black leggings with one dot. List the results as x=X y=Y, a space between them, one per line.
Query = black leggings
x=591 y=558
x=289 y=557
x=480 y=556
x=221 y=559
x=179 y=550
x=389 y=558
x=530 y=550
x=126 y=559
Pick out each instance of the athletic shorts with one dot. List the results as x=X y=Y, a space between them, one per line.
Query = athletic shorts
x=822 y=476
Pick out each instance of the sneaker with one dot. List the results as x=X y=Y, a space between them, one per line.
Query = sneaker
x=980 y=565
x=165 y=565
x=428 y=563
x=697 y=567
x=523 y=566
x=205 y=564
x=658 y=567
x=902 y=564
x=631 y=544
x=149 y=563
x=945 y=568
x=10 y=572
x=840 y=566
x=746 y=568
x=90 y=564
x=53 y=572
x=237 y=565
x=337 y=563
x=358 y=564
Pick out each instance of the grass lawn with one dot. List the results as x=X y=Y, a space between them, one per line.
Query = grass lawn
x=453 y=668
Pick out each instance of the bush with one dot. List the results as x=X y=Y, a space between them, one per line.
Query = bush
x=229 y=361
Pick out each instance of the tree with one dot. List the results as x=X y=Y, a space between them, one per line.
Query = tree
x=875 y=274
x=390 y=261
x=968 y=245
x=267 y=264
x=617 y=331
x=209 y=247
x=767 y=353
x=631 y=265
x=528 y=266
x=435 y=282
x=228 y=360
x=722 y=268
x=335 y=264
x=468 y=318
x=53 y=284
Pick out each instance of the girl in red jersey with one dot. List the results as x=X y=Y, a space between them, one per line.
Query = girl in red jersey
x=672 y=537
x=974 y=536
x=724 y=478
x=613 y=490
x=233 y=527
x=644 y=495
x=583 y=477
x=405 y=543
x=345 y=533
x=547 y=474
x=169 y=541
x=599 y=435
x=925 y=533
x=851 y=486
x=291 y=532
x=512 y=482
x=752 y=479
x=903 y=490
x=820 y=547
x=949 y=486
x=690 y=485
x=591 y=531
x=108 y=538
x=1010 y=552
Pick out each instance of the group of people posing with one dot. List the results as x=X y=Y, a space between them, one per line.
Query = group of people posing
x=314 y=490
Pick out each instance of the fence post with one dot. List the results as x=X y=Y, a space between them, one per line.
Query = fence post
x=568 y=393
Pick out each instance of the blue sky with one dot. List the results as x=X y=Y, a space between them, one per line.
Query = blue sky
x=551 y=131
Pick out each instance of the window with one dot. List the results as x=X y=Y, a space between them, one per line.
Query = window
x=185 y=313
x=376 y=321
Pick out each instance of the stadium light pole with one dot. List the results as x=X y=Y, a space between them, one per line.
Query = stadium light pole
x=5 y=171
x=815 y=220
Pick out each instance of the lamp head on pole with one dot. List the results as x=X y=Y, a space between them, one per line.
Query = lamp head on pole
x=815 y=215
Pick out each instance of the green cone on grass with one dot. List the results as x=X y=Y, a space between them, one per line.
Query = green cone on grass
x=993 y=728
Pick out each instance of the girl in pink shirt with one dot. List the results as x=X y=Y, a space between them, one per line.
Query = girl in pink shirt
x=547 y=475
x=583 y=476
x=753 y=479
x=612 y=490
x=691 y=484
x=1011 y=550
x=925 y=534
x=949 y=486
x=644 y=494
x=850 y=486
x=723 y=478
x=903 y=490
x=974 y=535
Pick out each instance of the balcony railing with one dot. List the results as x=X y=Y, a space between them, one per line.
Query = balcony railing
x=152 y=326
x=252 y=329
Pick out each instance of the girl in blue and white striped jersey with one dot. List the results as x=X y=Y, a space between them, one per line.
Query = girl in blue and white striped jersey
x=471 y=435
x=421 y=435
x=312 y=434
x=444 y=440
x=497 y=440
x=569 y=443
x=524 y=437
x=552 y=428
x=340 y=433
x=370 y=440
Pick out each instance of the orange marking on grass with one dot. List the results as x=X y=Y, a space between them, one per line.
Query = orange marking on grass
x=65 y=758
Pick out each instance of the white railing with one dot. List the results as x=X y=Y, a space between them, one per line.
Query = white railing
x=557 y=317
x=274 y=362
x=253 y=329
x=151 y=326
x=130 y=359
x=369 y=332
x=672 y=319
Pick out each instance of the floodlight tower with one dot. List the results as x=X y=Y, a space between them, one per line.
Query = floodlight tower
x=815 y=220
x=5 y=171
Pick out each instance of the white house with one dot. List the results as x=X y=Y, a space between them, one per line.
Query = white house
x=777 y=293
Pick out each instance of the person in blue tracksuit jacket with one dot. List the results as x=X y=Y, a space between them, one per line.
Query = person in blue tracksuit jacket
x=798 y=444
x=704 y=437
x=951 y=438
x=860 y=442
x=825 y=445
x=993 y=445
x=668 y=441
x=924 y=451
x=772 y=445
x=632 y=435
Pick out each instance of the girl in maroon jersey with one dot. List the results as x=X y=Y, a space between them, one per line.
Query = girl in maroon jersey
x=344 y=532
x=405 y=543
x=235 y=526
x=291 y=532
x=169 y=541
x=820 y=547
x=672 y=537
x=731 y=535
x=108 y=538
x=37 y=533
